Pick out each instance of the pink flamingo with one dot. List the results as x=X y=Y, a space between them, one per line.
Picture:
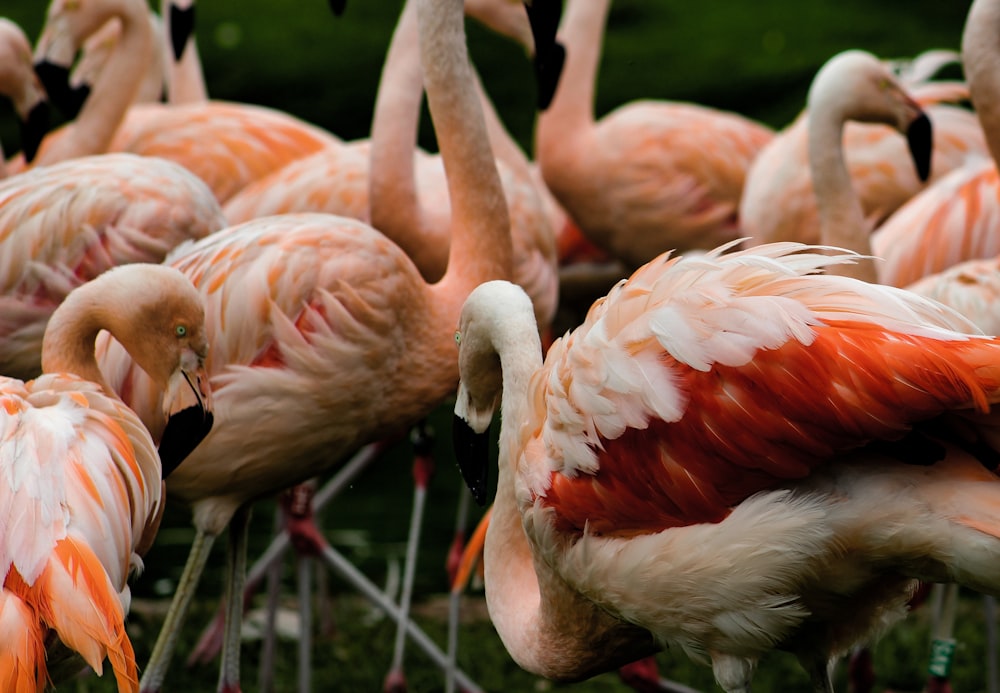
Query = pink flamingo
x=954 y=219
x=317 y=319
x=248 y=141
x=63 y=225
x=712 y=459
x=856 y=86
x=778 y=202
x=20 y=84
x=649 y=176
x=81 y=477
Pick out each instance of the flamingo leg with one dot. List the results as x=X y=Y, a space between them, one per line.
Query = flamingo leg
x=229 y=672
x=304 y=568
x=211 y=638
x=423 y=467
x=992 y=676
x=942 y=638
x=339 y=564
x=166 y=641
x=274 y=570
x=455 y=595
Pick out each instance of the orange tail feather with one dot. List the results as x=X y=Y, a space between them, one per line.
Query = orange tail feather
x=22 y=657
x=75 y=597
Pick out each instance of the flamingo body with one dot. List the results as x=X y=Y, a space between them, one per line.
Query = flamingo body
x=64 y=224
x=778 y=203
x=729 y=455
x=228 y=145
x=80 y=476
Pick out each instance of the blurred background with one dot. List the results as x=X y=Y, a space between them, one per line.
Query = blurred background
x=753 y=58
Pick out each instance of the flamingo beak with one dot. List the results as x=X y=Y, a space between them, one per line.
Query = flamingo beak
x=34 y=128
x=181 y=28
x=54 y=57
x=188 y=408
x=920 y=139
x=472 y=454
x=338 y=7
x=544 y=16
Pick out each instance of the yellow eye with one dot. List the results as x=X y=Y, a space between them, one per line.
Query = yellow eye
x=458 y=338
x=181 y=331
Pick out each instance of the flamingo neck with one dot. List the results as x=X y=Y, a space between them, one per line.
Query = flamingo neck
x=841 y=218
x=68 y=344
x=114 y=91
x=481 y=247
x=981 y=61
x=546 y=626
x=572 y=107
x=394 y=207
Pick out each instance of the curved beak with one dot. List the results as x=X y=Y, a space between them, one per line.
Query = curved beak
x=544 y=16
x=338 y=7
x=187 y=405
x=34 y=128
x=181 y=28
x=920 y=139
x=54 y=57
x=472 y=453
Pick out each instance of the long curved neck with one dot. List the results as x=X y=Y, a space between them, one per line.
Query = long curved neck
x=572 y=107
x=114 y=91
x=545 y=625
x=841 y=218
x=394 y=207
x=481 y=247
x=68 y=344
x=981 y=60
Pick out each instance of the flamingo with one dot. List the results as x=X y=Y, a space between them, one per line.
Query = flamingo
x=954 y=220
x=80 y=476
x=778 y=202
x=63 y=225
x=20 y=84
x=649 y=176
x=329 y=327
x=247 y=141
x=855 y=86
x=721 y=459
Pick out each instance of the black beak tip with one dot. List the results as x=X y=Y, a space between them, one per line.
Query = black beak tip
x=55 y=80
x=181 y=28
x=472 y=454
x=920 y=138
x=182 y=434
x=548 y=69
x=338 y=7
x=34 y=128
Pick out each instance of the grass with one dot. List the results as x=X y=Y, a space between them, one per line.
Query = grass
x=754 y=58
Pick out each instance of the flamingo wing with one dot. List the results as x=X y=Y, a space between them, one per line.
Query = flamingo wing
x=79 y=478
x=701 y=381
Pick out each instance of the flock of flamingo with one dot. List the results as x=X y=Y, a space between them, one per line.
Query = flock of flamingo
x=769 y=424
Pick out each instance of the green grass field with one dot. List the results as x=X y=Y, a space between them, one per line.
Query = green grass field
x=754 y=58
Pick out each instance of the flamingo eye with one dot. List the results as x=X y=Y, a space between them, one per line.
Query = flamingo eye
x=458 y=337
x=181 y=331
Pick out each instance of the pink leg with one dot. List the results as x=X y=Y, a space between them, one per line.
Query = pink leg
x=210 y=641
x=423 y=467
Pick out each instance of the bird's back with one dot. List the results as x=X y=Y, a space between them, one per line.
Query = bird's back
x=701 y=381
x=80 y=482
